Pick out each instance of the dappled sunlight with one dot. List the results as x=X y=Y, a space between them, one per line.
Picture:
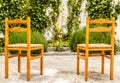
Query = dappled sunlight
x=60 y=80
x=50 y=71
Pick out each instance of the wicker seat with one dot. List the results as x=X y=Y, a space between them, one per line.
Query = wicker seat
x=100 y=48
x=21 y=46
x=95 y=45
x=24 y=45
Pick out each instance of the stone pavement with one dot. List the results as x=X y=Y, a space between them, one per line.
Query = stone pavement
x=60 y=69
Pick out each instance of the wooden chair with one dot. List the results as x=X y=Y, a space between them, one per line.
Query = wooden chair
x=97 y=47
x=27 y=47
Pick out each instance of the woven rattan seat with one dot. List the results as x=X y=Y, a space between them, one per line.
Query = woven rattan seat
x=95 y=45
x=23 y=45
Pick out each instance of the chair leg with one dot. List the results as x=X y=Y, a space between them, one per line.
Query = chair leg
x=112 y=65
x=102 y=62
x=86 y=65
x=42 y=61
x=41 y=66
x=28 y=66
x=6 y=63
x=19 y=61
x=77 y=65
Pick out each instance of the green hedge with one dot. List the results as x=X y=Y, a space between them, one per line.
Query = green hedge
x=78 y=37
x=20 y=37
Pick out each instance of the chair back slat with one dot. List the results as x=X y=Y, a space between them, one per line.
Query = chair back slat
x=17 y=21
x=17 y=29
x=100 y=29
x=100 y=21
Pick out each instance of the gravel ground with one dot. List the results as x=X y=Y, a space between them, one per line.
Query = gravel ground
x=60 y=69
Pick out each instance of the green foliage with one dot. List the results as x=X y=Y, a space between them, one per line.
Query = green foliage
x=117 y=46
x=117 y=9
x=54 y=43
x=74 y=13
x=37 y=12
x=20 y=37
x=1 y=45
x=100 y=9
x=78 y=37
x=3 y=14
x=12 y=9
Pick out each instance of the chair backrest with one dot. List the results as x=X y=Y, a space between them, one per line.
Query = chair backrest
x=100 y=28
x=17 y=29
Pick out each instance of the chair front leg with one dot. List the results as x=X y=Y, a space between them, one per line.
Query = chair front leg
x=42 y=61
x=86 y=65
x=77 y=65
x=28 y=65
x=6 y=63
x=19 y=61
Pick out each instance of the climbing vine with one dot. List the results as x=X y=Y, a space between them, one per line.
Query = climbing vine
x=54 y=14
x=74 y=9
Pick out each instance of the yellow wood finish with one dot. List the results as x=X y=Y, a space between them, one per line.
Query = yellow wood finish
x=103 y=54
x=87 y=47
x=100 y=29
x=28 y=46
x=100 y=21
x=17 y=29
x=17 y=21
x=19 y=61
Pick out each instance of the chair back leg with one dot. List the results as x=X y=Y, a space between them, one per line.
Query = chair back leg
x=42 y=61
x=28 y=65
x=112 y=65
x=86 y=65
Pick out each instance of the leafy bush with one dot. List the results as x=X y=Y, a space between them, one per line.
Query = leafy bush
x=20 y=37
x=78 y=37
x=54 y=43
